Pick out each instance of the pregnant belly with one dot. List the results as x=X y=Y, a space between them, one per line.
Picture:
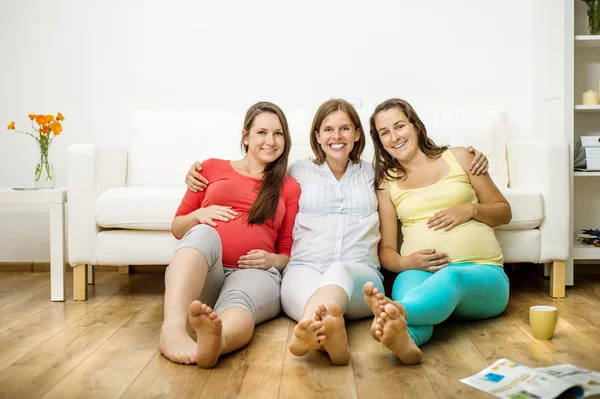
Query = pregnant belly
x=469 y=242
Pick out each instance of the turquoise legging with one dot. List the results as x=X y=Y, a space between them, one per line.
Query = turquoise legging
x=464 y=290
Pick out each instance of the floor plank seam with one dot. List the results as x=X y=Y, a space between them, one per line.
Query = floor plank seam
x=102 y=343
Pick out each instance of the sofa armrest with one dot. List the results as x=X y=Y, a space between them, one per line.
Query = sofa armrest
x=543 y=166
x=92 y=169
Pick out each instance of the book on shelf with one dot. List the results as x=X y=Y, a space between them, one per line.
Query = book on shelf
x=507 y=379
x=587 y=154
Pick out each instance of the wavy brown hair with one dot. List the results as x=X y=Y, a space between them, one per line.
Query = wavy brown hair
x=265 y=204
x=329 y=107
x=384 y=163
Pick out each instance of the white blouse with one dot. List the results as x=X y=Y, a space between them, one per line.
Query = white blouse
x=337 y=220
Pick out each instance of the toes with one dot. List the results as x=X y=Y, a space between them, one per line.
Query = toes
x=392 y=311
x=322 y=310
x=334 y=309
x=304 y=324
x=195 y=308
x=385 y=316
x=368 y=288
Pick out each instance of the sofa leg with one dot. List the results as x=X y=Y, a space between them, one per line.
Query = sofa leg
x=80 y=277
x=91 y=277
x=123 y=269
x=557 y=279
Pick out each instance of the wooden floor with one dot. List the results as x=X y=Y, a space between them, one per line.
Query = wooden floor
x=106 y=347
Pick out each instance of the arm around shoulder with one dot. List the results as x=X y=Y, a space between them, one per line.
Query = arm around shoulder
x=493 y=209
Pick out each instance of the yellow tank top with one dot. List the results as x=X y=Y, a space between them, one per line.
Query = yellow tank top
x=473 y=241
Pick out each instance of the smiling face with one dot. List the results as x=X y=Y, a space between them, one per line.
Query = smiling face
x=397 y=135
x=266 y=140
x=337 y=136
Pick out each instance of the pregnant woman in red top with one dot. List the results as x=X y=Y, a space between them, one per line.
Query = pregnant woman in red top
x=236 y=238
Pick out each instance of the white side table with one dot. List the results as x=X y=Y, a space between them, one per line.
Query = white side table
x=56 y=199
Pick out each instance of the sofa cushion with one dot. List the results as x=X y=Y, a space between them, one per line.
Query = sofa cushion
x=151 y=208
x=138 y=208
x=165 y=144
x=483 y=128
x=527 y=208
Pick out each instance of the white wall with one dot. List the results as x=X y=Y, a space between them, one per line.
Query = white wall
x=97 y=61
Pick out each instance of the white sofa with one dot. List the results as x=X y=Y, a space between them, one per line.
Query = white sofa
x=121 y=201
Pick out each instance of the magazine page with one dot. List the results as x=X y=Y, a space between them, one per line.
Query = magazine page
x=507 y=379
x=588 y=380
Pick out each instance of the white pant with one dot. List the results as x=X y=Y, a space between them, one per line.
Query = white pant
x=300 y=282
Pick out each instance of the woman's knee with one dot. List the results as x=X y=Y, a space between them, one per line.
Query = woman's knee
x=338 y=273
x=205 y=240
x=406 y=281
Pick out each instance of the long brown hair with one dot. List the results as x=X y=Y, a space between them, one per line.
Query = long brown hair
x=385 y=163
x=329 y=107
x=265 y=204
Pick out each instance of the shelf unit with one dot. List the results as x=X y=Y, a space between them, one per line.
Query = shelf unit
x=587 y=41
x=586 y=174
x=585 y=251
x=583 y=62
x=587 y=108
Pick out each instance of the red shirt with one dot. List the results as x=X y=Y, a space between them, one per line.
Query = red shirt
x=227 y=187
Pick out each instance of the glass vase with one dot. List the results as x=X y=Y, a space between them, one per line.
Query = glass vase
x=593 y=17
x=44 y=171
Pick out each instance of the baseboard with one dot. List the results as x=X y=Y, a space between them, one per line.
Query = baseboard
x=45 y=267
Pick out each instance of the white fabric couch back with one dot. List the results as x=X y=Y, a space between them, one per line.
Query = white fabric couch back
x=165 y=144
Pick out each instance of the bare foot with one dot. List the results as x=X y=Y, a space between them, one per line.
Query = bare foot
x=207 y=325
x=335 y=340
x=176 y=344
x=305 y=337
x=392 y=329
x=376 y=301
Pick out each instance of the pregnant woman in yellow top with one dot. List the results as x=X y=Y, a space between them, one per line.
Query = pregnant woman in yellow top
x=450 y=262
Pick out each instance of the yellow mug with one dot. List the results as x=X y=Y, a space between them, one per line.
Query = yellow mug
x=543 y=321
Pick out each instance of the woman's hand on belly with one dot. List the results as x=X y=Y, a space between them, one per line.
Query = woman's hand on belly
x=257 y=259
x=451 y=217
x=263 y=260
x=214 y=212
x=428 y=260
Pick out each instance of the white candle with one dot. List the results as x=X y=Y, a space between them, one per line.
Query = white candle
x=590 y=97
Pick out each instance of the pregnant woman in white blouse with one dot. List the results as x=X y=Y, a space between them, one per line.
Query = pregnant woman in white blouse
x=336 y=234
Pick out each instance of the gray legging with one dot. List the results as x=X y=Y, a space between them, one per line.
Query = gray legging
x=252 y=289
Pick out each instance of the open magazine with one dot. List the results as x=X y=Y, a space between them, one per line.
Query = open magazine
x=507 y=379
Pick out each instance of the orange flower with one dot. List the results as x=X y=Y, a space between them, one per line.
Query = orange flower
x=44 y=129
x=40 y=119
x=56 y=128
x=60 y=117
x=11 y=126
x=31 y=116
